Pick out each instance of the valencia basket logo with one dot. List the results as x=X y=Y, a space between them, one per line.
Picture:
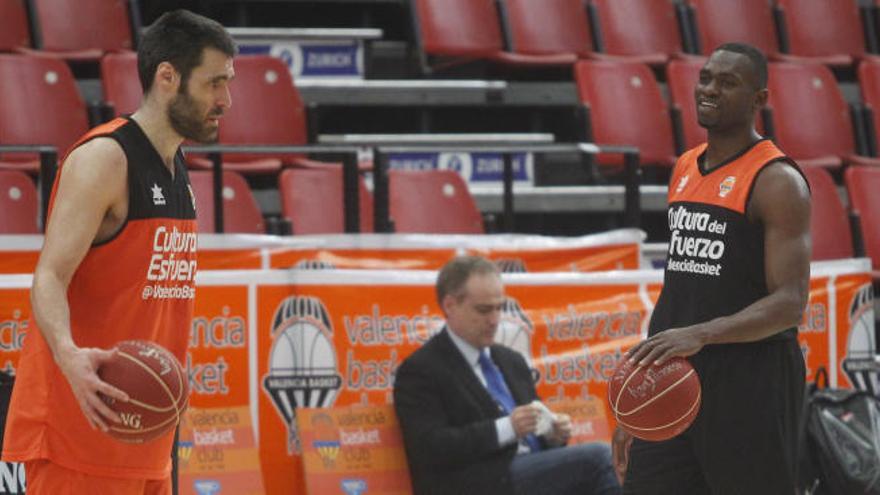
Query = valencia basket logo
x=515 y=330
x=860 y=364
x=303 y=368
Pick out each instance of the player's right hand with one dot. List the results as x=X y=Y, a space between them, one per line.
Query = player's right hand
x=80 y=366
x=525 y=420
x=620 y=443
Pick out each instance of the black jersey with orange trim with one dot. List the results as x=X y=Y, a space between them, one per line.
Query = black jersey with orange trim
x=140 y=284
x=715 y=258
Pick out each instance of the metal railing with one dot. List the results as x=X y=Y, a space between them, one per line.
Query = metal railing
x=348 y=156
x=632 y=175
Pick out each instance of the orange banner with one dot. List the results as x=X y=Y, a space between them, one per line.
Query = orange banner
x=588 y=420
x=217 y=358
x=614 y=250
x=813 y=331
x=217 y=453
x=283 y=340
x=854 y=338
x=353 y=450
x=15 y=313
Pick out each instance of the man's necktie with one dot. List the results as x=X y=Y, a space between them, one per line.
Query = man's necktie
x=498 y=390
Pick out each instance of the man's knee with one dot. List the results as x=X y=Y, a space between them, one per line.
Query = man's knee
x=598 y=454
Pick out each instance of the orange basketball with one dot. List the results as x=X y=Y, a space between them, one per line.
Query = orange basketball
x=654 y=402
x=157 y=387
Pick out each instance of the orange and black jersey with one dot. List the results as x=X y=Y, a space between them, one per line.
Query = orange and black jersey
x=152 y=191
x=140 y=284
x=715 y=260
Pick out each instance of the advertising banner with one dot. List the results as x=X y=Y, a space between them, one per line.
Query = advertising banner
x=353 y=450
x=280 y=341
x=217 y=453
x=613 y=250
x=324 y=59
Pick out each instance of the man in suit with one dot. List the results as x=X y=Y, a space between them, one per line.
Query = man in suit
x=465 y=406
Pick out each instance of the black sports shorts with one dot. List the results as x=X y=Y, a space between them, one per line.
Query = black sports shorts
x=744 y=439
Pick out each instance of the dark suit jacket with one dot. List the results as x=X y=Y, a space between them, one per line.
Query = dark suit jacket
x=448 y=419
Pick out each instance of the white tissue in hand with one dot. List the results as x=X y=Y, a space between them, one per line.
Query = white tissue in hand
x=545 y=419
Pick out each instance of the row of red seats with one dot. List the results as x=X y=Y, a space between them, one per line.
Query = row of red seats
x=808 y=115
x=45 y=90
x=311 y=199
x=810 y=118
x=559 y=32
x=538 y=32
x=81 y=30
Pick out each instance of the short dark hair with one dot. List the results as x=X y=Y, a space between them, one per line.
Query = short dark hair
x=755 y=56
x=456 y=272
x=179 y=37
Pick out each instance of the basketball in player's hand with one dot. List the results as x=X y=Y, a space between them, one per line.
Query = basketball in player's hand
x=156 y=385
x=654 y=402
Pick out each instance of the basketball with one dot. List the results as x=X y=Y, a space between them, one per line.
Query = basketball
x=654 y=402
x=156 y=385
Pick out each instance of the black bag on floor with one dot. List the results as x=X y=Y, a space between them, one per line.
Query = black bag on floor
x=840 y=447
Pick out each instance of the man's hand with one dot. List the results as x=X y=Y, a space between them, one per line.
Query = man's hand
x=658 y=349
x=80 y=365
x=524 y=420
x=561 y=433
x=620 y=443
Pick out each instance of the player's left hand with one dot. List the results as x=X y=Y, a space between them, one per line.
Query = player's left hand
x=561 y=433
x=682 y=342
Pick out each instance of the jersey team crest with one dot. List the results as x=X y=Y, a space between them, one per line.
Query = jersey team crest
x=726 y=186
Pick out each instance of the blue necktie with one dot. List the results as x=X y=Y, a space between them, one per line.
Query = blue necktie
x=498 y=390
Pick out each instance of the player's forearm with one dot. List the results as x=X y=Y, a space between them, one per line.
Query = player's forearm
x=768 y=316
x=52 y=313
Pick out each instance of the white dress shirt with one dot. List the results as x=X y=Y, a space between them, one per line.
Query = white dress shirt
x=503 y=425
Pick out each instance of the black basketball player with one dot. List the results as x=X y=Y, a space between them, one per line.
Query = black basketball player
x=735 y=286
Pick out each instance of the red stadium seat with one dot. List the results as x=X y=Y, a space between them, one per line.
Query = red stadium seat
x=862 y=184
x=626 y=108
x=40 y=105
x=869 y=83
x=811 y=120
x=14 y=30
x=119 y=78
x=83 y=30
x=829 y=222
x=826 y=32
x=241 y=214
x=644 y=31
x=263 y=88
x=18 y=203
x=432 y=201
x=536 y=29
x=467 y=30
x=266 y=110
x=312 y=199
x=682 y=77
x=723 y=21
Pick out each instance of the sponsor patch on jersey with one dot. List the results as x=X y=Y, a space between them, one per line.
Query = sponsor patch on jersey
x=726 y=186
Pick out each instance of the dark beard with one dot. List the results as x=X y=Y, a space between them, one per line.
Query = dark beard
x=183 y=112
